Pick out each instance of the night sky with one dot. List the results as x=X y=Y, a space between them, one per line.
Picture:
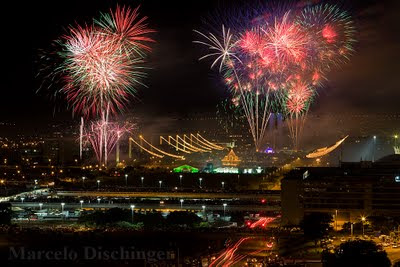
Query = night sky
x=178 y=82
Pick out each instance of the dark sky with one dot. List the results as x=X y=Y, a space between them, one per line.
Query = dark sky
x=178 y=83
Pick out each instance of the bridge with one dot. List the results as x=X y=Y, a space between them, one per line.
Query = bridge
x=269 y=195
x=145 y=206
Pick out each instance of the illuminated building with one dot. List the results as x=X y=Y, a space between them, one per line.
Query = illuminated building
x=186 y=168
x=231 y=159
x=353 y=189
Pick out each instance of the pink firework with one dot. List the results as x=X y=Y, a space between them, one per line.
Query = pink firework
x=125 y=24
x=103 y=136
x=103 y=63
x=298 y=97
x=285 y=42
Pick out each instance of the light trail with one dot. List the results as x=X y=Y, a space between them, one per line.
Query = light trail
x=196 y=143
x=190 y=147
x=228 y=254
x=262 y=222
x=231 y=257
x=187 y=144
x=208 y=145
x=145 y=149
x=325 y=150
x=217 y=147
x=175 y=146
x=162 y=151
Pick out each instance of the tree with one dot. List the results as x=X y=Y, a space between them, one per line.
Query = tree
x=316 y=225
x=384 y=224
x=357 y=227
x=356 y=253
x=150 y=220
x=5 y=213
x=110 y=216
x=238 y=217
x=183 y=218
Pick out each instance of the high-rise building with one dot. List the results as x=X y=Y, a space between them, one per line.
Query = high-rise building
x=349 y=191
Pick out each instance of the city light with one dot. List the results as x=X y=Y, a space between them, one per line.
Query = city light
x=297 y=174
x=132 y=209
x=224 y=205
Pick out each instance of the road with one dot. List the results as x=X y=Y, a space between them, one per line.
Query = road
x=146 y=206
x=244 y=249
x=271 y=196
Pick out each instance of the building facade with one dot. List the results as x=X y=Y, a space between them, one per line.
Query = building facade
x=348 y=192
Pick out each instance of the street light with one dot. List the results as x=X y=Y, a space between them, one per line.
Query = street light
x=336 y=212
x=200 y=179
x=224 y=210
x=351 y=230
x=160 y=182
x=180 y=179
x=83 y=180
x=373 y=152
x=223 y=185
x=81 y=201
x=22 y=199
x=204 y=210
x=62 y=207
x=181 y=200
x=126 y=179
x=142 y=179
x=132 y=209
x=40 y=206
x=98 y=184
x=362 y=221
x=98 y=200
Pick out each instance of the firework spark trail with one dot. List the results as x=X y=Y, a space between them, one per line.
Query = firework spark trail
x=102 y=64
x=103 y=136
x=81 y=138
x=276 y=62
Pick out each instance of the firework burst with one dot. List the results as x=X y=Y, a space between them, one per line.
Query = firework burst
x=276 y=62
x=103 y=136
x=103 y=63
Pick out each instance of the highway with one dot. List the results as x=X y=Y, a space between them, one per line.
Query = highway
x=145 y=206
x=179 y=195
